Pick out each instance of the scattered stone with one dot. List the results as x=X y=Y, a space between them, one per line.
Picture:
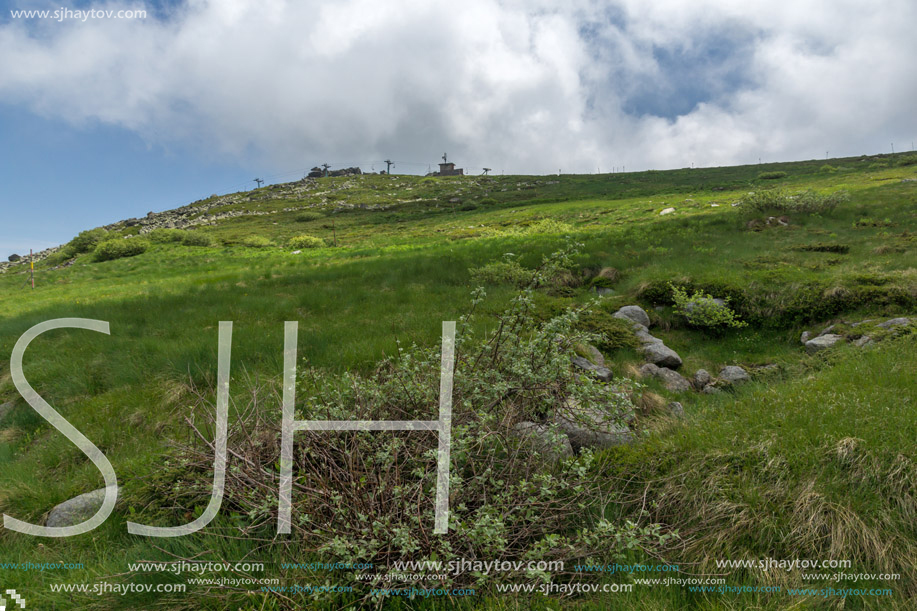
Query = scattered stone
x=543 y=440
x=677 y=409
x=296 y=252
x=634 y=313
x=76 y=510
x=13 y=258
x=733 y=374
x=670 y=379
x=588 y=427
x=822 y=342
x=667 y=211
x=604 y=290
x=826 y=330
x=701 y=378
x=711 y=389
x=602 y=373
x=643 y=335
x=594 y=354
x=894 y=322
x=662 y=355
x=806 y=336
x=863 y=341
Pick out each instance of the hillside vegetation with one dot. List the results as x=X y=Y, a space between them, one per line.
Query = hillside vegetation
x=813 y=458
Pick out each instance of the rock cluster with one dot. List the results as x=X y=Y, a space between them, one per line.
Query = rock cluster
x=826 y=339
x=654 y=350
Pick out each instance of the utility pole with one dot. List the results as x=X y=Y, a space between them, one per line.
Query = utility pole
x=445 y=160
x=893 y=148
x=258 y=181
x=486 y=170
x=388 y=166
x=325 y=167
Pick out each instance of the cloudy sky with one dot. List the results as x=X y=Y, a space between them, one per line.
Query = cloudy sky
x=104 y=118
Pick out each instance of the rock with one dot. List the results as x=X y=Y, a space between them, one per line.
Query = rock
x=662 y=355
x=711 y=389
x=826 y=330
x=822 y=342
x=296 y=252
x=667 y=211
x=602 y=373
x=894 y=322
x=701 y=378
x=587 y=427
x=677 y=409
x=13 y=258
x=733 y=374
x=77 y=509
x=634 y=313
x=643 y=335
x=670 y=379
x=805 y=337
x=863 y=341
x=594 y=355
x=540 y=437
x=604 y=290
x=5 y=408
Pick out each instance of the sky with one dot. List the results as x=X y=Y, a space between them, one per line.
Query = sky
x=105 y=118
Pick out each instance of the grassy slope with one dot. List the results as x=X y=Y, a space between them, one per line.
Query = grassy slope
x=400 y=271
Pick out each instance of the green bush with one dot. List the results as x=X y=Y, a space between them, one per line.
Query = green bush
x=612 y=333
x=878 y=165
x=503 y=272
x=778 y=201
x=117 y=249
x=488 y=201
x=306 y=241
x=86 y=241
x=830 y=169
x=257 y=241
x=468 y=206
x=305 y=217
x=771 y=175
x=165 y=236
x=193 y=238
x=702 y=311
x=908 y=160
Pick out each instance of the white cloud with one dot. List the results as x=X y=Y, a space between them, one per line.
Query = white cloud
x=520 y=86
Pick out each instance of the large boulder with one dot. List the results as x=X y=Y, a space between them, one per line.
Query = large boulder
x=702 y=377
x=733 y=374
x=661 y=355
x=591 y=428
x=601 y=373
x=670 y=379
x=894 y=322
x=552 y=444
x=634 y=313
x=14 y=257
x=76 y=510
x=593 y=354
x=822 y=342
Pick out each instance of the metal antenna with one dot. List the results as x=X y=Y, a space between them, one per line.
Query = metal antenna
x=445 y=160
x=486 y=170
x=258 y=181
x=388 y=166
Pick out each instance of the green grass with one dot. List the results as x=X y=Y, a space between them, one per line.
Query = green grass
x=397 y=272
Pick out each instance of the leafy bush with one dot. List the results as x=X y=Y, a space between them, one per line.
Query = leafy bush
x=508 y=271
x=305 y=217
x=370 y=496
x=119 y=248
x=164 y=236
x=194 y=238
x=306 y=241
x=781 y=202
x=878 y=165
x=488 y=201
x=908 y=160
x=468 y=206
x=830 y=169
x=771 y=175
x=703 y=311
x=257 y=241
x=611 y=333
x=85 y=241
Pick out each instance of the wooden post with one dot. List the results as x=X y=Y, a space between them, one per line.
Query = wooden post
x=334 y=233
x=32 y=268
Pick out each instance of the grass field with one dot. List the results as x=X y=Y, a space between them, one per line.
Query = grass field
x=814 y=459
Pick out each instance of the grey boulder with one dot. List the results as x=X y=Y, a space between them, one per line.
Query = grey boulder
x=894 y=322
x=634 y=313
x=733 y=374
x=701 y=378
x=661 y=355
x=591 y=428
x=76 y=510
x=601 y=373
x=822 y=342
x=670 y=379
x=542 y=439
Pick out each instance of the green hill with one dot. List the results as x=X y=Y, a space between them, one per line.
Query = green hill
x=812 y=459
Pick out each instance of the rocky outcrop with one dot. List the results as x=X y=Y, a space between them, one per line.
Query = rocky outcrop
x=597 y=371
x=732 y=374
x=670 y=379
x=589 y=427
x=553 y=444
x=653 y=348
x=77 y=509
x=635 y=314
x=822 y=342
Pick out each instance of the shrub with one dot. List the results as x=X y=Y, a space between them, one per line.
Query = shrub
x=703 y=311
x=468 y=206
x=488 y=201
x=841 y=249
x=86 y=241
x=830 y=169
x=306 y=241
x=781 y=202
x=117 y=249
x=878 y=165
x=771 y=175
x=257 y=241
x=193 y=238
x=611 y=333
x=369 y=497
x=908 y=160
x=305 y=217
x=508 y=271
x=164 y=236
